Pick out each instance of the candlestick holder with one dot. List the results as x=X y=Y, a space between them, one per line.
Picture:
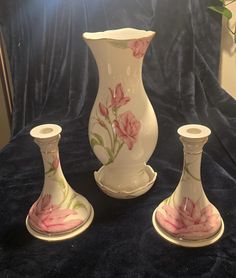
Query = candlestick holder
x=59 y=213
x=187 y=218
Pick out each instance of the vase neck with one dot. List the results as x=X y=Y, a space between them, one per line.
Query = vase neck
x=115 y=61
x=119 y=58
x=50 y=155
x=192 y=158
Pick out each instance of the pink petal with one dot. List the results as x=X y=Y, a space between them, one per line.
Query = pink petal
x=203 y=219
x=44 y=202
x=196 y=213
x=36 y=223
x=207 y=211
x=166 y=225
x=119 y=94
x=64 y=226
x=61 y=214
x=124 y=100
x=214 y=220
x=103 y=110
x=127 y=128
x=172 y=212
x=196 y=228
x=186 y=219
x=129 y=142
x=55 y=162
x=173 y=217
x=187 y=205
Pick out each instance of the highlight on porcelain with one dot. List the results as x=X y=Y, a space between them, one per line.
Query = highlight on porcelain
x=123 y=128
x=187 y=217
x=59 y=213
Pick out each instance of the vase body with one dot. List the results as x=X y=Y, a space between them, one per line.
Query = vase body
x=187 y=217
x=122 y=127
x=59 y=213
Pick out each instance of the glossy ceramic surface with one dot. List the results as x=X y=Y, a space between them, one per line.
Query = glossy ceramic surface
x=187 y=217
x=59 y=212
x=122 y=127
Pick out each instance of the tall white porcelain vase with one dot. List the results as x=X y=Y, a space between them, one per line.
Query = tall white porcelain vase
x=59 y=213
x=187 y=217
x=122 y=127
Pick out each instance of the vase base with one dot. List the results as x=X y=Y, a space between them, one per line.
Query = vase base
x=125 y=194
x=64 y=236
x=186 y=242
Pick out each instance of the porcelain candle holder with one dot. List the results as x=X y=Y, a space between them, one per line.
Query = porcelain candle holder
x=122 y=127
x=187 y=218
x=59 y=213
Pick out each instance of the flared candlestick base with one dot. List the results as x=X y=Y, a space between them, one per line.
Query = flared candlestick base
x=179 y=239
x=59 y=213
x=63 y=236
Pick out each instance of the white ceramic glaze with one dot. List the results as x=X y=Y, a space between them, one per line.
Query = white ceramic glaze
x=187 y=217
x=59 y=213
x=122 y=127
x=122 y=194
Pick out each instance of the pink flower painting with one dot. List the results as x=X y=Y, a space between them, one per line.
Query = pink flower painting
x=139 y=47
x=127 y=127
x=103 y=110
x=119 y=128
x=189 y=220
x=46 y=217
x=55 y=163
x=117 y=97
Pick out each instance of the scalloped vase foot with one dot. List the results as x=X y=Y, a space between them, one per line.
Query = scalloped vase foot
x=187 y=218
x=123 y=128
x=59 y=213
x=118 y=191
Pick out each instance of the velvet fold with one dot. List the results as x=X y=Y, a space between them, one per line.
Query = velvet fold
x=55 y=81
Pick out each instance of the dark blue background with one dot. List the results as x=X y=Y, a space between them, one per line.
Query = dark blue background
x=55 y=81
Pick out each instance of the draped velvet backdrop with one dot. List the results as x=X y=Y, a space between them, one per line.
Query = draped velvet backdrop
x=55 y=80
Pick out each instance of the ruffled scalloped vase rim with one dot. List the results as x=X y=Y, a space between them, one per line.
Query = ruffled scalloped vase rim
x=186 y=242
x=123 y=34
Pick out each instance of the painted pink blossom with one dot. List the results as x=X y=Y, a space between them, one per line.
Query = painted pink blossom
x=46 y=217
x=117 y=98
x=127 y=127
x=103 y=110
x=55 y=163
x=188 y=220
x=139 y=47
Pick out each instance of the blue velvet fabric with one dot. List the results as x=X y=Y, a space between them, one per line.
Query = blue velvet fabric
x=55 y=80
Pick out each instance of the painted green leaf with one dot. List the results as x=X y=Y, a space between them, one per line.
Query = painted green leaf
x=221 y=10
x=79 y=205
x=61 y=183
x=110 y=153
x=190 y=174
x=98 y=138
x=93 y=142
